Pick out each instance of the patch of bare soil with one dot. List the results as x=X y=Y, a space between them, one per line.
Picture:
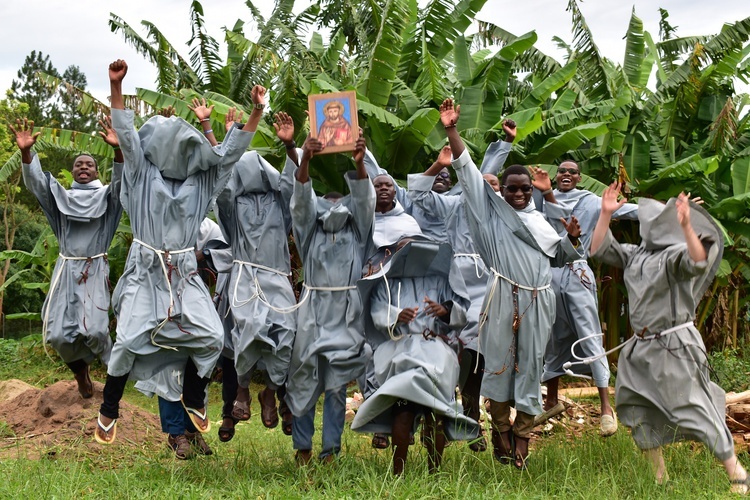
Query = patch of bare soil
x=57 y=422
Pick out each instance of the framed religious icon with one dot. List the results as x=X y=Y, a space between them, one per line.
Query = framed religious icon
x=333 y=120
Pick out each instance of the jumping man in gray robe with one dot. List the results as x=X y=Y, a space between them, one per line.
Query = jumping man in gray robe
x=519 y=246
x=331 y=235
x=84 y=219
x=663 y=390
x=446 y=205
x=164 y=310
x=574 y=284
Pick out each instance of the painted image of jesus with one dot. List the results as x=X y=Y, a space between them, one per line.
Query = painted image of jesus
x=335 y=129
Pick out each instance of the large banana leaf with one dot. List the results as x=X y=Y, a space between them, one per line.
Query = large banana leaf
x=636 y=64
x=544 y=90
x=741 y=175
x=406 y=142
x=569 y=140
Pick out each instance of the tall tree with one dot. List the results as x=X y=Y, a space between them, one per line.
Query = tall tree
x=30 y=89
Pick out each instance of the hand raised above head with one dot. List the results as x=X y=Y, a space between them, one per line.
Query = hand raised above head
x=359 y=149
x=284 y=126
x=444 y=157
x=200 y=109
x=117 y=70
x=108 y=133
x=540 y=178
x=24 y=134
x=311 y=146
x=449 y=114
x=509 y=127
x=233 y=116
x=610 y=203
x=683 y=209
x=258 y=94
x=166 y=112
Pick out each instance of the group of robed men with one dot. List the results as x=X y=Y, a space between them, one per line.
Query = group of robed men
x=484 y=285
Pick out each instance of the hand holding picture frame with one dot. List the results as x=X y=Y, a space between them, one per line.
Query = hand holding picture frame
x=333 y=120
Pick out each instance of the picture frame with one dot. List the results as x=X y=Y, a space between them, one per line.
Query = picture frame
x=333 y=120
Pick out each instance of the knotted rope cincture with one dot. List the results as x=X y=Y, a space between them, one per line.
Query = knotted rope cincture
x=590 y=359
x=477 y=259
x=516 y=319
x=165 y=259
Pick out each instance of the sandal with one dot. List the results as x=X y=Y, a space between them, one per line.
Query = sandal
x=106 y=429
x=286 y=418
x=268 y=411
x=227 y=433
x=380 y=441
x=199 y=418
x=501 y=451
x=241 y=410
x=520 y=459
x=740 y=486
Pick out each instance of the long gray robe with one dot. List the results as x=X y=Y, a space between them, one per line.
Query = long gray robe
x=167 y=384
x=166 y=214
x=331 y=239
x=254 y=214
x=574 y=285
x=84 y=220
x=663 y=391
x=423 y=370
x=521 y=251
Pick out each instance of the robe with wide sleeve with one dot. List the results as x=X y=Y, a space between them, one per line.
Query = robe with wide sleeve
x=574 y=285
x=254 y=214
x=519 y=247
x=163 y=308
x=75 y=312
x=331 y=239
x=663 y=390
x=414 y=361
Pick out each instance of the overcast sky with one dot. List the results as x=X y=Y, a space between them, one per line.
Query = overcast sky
x=77 y=32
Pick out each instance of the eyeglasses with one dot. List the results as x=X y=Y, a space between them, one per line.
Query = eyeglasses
x=571 y=171
x=514 y=189
x=444 y=175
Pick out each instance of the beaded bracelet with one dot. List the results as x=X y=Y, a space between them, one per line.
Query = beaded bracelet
x=209 y=131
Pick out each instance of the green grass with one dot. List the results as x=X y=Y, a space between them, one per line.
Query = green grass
x=258 y=463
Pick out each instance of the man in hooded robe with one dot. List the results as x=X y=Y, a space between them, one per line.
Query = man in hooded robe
x=254 y=214
x=574 y=284
x=664 y=392
x=84 y=219
x=518 y=246
x=417 y=304
x=164 y=310
x=331 y=234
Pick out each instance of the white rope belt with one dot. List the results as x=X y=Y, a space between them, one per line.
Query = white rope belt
x=577 y=261
x=53 y=287
x=165 y=258
x=591 y=359
x=258 y=293
x=477 y=259
x=490 y=296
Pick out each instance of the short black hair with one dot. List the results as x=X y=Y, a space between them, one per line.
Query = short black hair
x=333 y=194
x=514 y=170
x=85 y=153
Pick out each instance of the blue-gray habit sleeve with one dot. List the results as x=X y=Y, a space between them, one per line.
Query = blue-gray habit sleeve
x=115 y=183
x=421 y=194
x=629 y=211
x=494 y=157
x=130 y=145
x=286 y=188
x=304 y=213
x=680 y=264
x=363 y=205
x=613 y=252
x=475 y=198
x=232 y=149
x=37 y=182
x=384 y=314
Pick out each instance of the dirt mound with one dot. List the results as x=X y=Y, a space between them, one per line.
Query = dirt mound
x=9 y=389
x=56 y=422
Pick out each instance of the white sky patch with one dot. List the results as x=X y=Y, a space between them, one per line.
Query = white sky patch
x=77 y=33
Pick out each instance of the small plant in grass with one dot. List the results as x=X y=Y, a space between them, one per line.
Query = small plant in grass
x=730 y=369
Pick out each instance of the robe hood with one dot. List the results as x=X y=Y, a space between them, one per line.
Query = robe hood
x=659 y=228
x=256 y=175
x=84 y=202
x=177 y=148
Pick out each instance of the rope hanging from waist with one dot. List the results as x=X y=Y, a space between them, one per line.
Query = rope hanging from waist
x=477 y=259
x=53 y=288
x=258 y=293
x=590 y=359
x=165 y=259
x=516 y=317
